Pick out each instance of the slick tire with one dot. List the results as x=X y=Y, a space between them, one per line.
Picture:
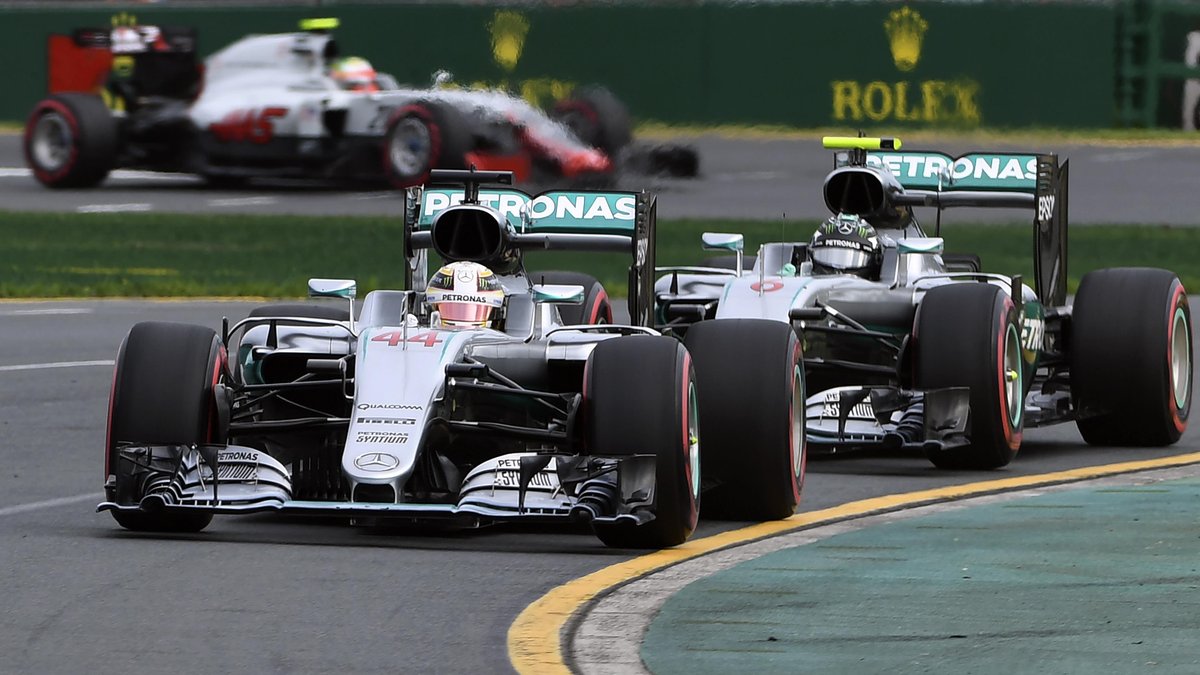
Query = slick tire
x=962 y=262
x=596 y=308
x=729 y=262
x=70 y=141
x=1131 y=357
x=596 y=117
x=967 y=335
x=640 y=397
x=423 y=136
x=750 y=377
x=163 y=393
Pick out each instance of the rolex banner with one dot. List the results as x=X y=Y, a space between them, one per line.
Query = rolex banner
x=844 y=64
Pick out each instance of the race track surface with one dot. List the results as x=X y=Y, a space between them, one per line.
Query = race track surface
x=740 y=178
x=261 y=594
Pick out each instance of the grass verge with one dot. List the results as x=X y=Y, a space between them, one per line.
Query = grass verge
x=155 y=255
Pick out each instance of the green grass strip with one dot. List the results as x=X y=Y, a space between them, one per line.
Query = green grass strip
x=158 y=254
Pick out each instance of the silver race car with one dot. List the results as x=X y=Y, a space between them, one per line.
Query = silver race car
x=908 y=346
x=282 y=106
x=465 y=403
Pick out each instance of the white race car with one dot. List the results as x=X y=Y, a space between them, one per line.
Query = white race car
x=397 y=414
x=268 y=106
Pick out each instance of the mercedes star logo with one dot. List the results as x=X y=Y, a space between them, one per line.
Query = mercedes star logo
x=376 y=461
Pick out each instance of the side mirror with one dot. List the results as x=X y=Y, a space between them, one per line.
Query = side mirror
x=722 y=241
x=335 y=288
x=558 y=294
x=332 y=288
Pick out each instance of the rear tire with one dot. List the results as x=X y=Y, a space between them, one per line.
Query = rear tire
x=163 y=393
x=596 y=117
x=422 y=136
x=596 y=308
x=750 y=376
x=967 y=335
x=70 y=141
x=1124 y=321
x=729 y=262
x=639 y=397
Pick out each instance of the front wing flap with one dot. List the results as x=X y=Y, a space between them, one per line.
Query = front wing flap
x=859 y=417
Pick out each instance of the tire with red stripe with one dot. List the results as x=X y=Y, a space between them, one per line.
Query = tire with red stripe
x=422 y=136
x=596 y=307
x=1131 y=357
x=639 y=398
x=969 y=335
x=70 y=141
x=750 y=376
x=596 y=117
x=163 y=394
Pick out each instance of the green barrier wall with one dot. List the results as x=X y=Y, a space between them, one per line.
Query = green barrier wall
x=811 y=64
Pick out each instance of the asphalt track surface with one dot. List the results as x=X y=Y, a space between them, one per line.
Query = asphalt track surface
x=740 y=178
x=263 y=594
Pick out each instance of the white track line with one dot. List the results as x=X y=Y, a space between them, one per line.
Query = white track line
x=50 y=503
x=58 y=364
x=114 y=208
x=120 y=174
x=243 y=201
x=46 y=312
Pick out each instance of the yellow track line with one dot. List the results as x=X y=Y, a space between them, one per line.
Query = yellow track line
x=535 y=637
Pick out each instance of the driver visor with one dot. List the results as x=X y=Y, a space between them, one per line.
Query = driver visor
x=465 y=312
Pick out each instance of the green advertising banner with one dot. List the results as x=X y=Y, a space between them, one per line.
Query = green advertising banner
x=845 y=64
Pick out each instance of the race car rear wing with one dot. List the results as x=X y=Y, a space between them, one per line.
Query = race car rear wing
x=870 y=180
x=492 y=225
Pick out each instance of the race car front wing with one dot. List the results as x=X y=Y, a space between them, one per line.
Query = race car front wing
x=230 y=479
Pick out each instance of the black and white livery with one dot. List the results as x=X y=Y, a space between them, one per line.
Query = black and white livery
x=291 y=105
x=909 y=346
x=467 y=402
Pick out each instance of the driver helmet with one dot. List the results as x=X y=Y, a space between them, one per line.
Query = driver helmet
x=465 y=294
x=846 y=244
x=354 y=73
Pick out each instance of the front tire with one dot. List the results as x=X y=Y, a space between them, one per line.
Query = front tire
x=640 y=397
x=163 y=394
x=750 y=376
x=967 y=335
x=423 y=136
x=1131 y=357
x=70 y=141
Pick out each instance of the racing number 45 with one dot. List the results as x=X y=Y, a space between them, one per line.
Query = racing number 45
x=254 y=126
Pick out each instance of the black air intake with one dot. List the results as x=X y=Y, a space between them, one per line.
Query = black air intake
x=468 y=232
x=859 y=190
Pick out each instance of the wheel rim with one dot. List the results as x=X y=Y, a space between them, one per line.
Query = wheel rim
x=693 y=450
x=1014 y=390
x=410 y=147
x=1181 y=361
x=52 y=141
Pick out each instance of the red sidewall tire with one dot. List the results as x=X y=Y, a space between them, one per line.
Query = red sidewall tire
x=638 y=397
